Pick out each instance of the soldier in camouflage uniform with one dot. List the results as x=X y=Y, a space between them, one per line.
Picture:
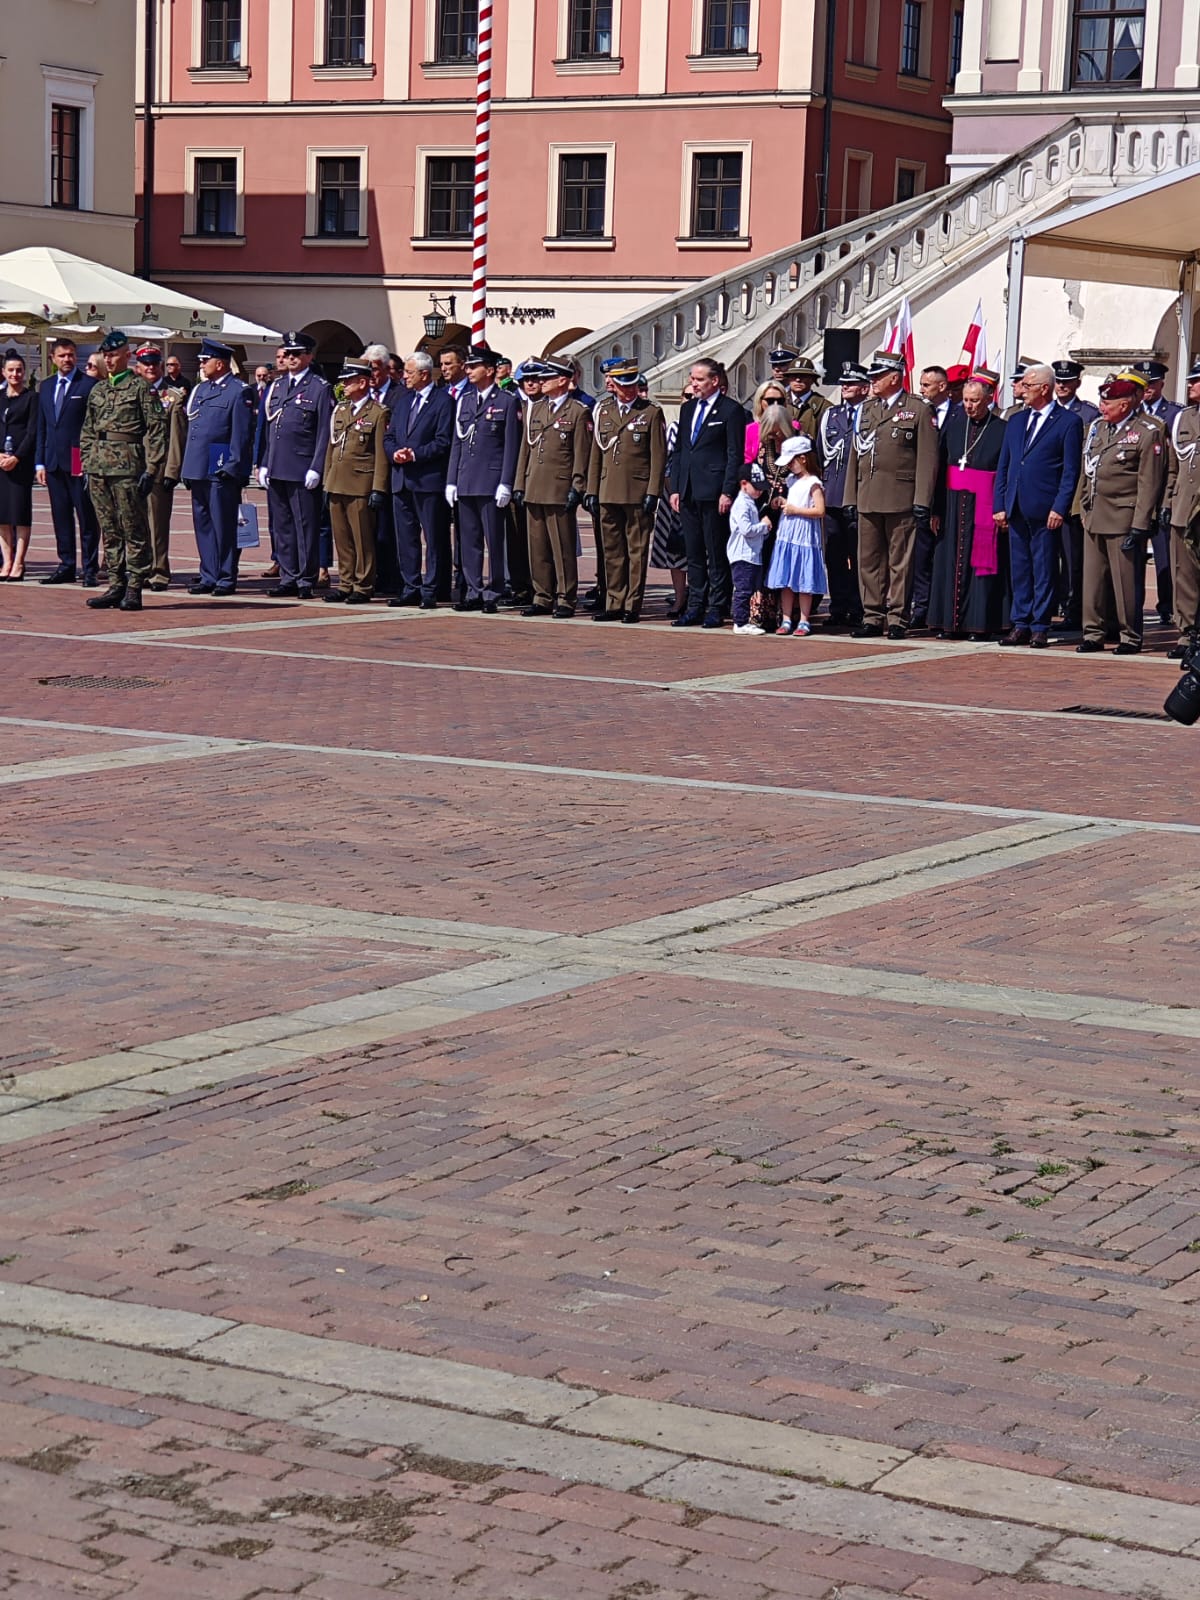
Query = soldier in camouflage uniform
x=122 y=446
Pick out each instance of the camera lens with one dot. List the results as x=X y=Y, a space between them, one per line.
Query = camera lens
x=1183 y=702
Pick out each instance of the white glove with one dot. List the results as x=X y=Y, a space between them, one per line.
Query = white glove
x=503 y=495
x=264 y=477
x=451 y=494
x=311 y=479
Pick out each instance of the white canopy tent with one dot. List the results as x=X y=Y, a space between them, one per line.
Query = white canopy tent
x=1147 y=235
x=91 y=293
x=18 y=300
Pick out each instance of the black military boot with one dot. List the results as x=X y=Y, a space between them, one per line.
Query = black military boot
x=111 y=598
x=132 y=600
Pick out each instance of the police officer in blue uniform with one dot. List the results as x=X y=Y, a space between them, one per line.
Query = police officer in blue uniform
x=218 y=417
x=835 y=439
x=483 y=465
x=289 y=451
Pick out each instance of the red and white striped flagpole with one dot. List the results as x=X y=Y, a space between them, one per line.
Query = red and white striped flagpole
x=483 y=158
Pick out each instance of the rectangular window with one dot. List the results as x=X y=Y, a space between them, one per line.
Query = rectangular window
x=956 y=44
x=590 y=30
x=457 y=31
x=221 y=33
x=909 y=181
x=717 y=195
x=856 y=187
x=338 y=197
x=581 y=195
x=345 y=33
x=449 y=197
x=1108 y=42
x=216 y=196
x=726 y=27
x=910 y=38
x=66 y=124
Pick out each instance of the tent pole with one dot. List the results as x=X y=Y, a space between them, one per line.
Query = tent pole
x=1187 y=310
x=1012 y=323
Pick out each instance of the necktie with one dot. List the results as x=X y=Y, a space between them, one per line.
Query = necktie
x=60 y=394
x=698 y=419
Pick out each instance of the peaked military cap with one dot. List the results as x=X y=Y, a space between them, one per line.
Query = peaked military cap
x=116 y=340
x=883 y=362
x=1152 y=371
x=986 y=376
x=354 y=369
x=479 y=355
x=1132 y=375
x=553 y=368
x=853 y=372
x=782 y=356
x=610 y=362
x=214 y=349
x=149 y=353
x=302 y=343
x=802 y=367
x=1067 y=371
x=1194 y=370
x=625 y=371
x=1018 y=372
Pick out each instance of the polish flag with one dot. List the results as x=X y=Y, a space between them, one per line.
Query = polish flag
x=974 y=350
x=889 y=337
x=903 y=336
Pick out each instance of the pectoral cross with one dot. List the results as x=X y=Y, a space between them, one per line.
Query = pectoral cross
x=962 y=462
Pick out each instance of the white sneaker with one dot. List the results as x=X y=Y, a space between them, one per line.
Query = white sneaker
x=747 y=627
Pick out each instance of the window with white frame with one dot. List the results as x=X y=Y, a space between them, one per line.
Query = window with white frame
x=449 y=197
x=912 y=25
x=69 y=137
x=582 y=195
x=216 y=186
x=66 y=135
x=345 y=33
x=910 y=180
x=715 y=198
x=457 y=38
x=220 y=33
x=726 y=27
x=589 y=29
x=337 y=195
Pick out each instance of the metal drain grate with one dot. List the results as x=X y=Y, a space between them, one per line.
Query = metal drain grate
x=88 y=680
x=1117 y=711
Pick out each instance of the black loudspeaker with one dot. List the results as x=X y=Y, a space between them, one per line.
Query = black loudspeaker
x=841 y=344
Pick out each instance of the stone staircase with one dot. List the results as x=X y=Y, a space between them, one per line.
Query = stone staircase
x=857 y=275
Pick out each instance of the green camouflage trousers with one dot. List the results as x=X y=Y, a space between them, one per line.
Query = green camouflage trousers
x=121 y=513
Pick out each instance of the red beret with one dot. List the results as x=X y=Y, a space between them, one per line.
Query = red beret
x=1120 y=389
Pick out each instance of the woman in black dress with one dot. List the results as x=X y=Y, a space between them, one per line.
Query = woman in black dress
x=18 y=446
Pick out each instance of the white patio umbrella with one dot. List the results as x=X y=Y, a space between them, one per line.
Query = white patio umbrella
x=93 y=293
x=40 y=305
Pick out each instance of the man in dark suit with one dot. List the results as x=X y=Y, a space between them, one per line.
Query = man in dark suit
x=292 y=439
x=1036 y=478
x=483 y=468
x=1067 y=377
x=62 y=406
x=417 y=443
x=702 y=475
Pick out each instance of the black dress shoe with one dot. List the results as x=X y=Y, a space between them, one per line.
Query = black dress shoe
x=89 y=581
x=108 y=600
x=713 y=619
x=468 y=605
x=1124 y=649
x=160 y=585
x=689 y=619
x=1177 y=651
x=304 y=591
x=283 y=591
x=1016 y=636
x=606 y=616
x=131 y=600
x=201 y=588
x=489 y=608
x=429 y=605
x=897 y=632
x=223 y=594
x=630 y=616
x=358 y=598
x=563 y=611
x=63 y=575
x=867 y=630
x=1038 y=640
x=537 y=611
x=1089 y=647
x=335 y=597
x=413 y=599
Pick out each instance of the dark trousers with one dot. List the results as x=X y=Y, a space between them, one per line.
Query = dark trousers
x=419 y=519
x=214 y=516
x=922 y=573
x=388 y=578
x=1160 y=551
x=69 y=502
x=481 y=526
x=1033 y=562
x=1070 y=587
x=516 y=549
x=841 y=564
x=747 y=578
x=705 y=534
x=296 y=518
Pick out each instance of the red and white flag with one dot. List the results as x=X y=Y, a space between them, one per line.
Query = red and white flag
x=889 y=337
x=903 y=337
x=975 y=346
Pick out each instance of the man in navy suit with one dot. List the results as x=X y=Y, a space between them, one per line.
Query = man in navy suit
x=289 y=450
x=62 y=406
x=417 y=442
x=1036 y=477
x=702 y=475
x=220 y=413
x=483 y=465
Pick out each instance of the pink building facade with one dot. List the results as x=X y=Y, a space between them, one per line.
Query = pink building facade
x=313 y=158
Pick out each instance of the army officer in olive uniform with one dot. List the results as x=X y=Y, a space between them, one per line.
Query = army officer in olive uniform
x=357 y=476
x=552 y=469
x=890 y=481
x=1125 y=470
x=625 y=484
x=1183 y=503
x=122 y=445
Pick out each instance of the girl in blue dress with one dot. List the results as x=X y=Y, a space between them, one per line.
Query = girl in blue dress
x=798 y=561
